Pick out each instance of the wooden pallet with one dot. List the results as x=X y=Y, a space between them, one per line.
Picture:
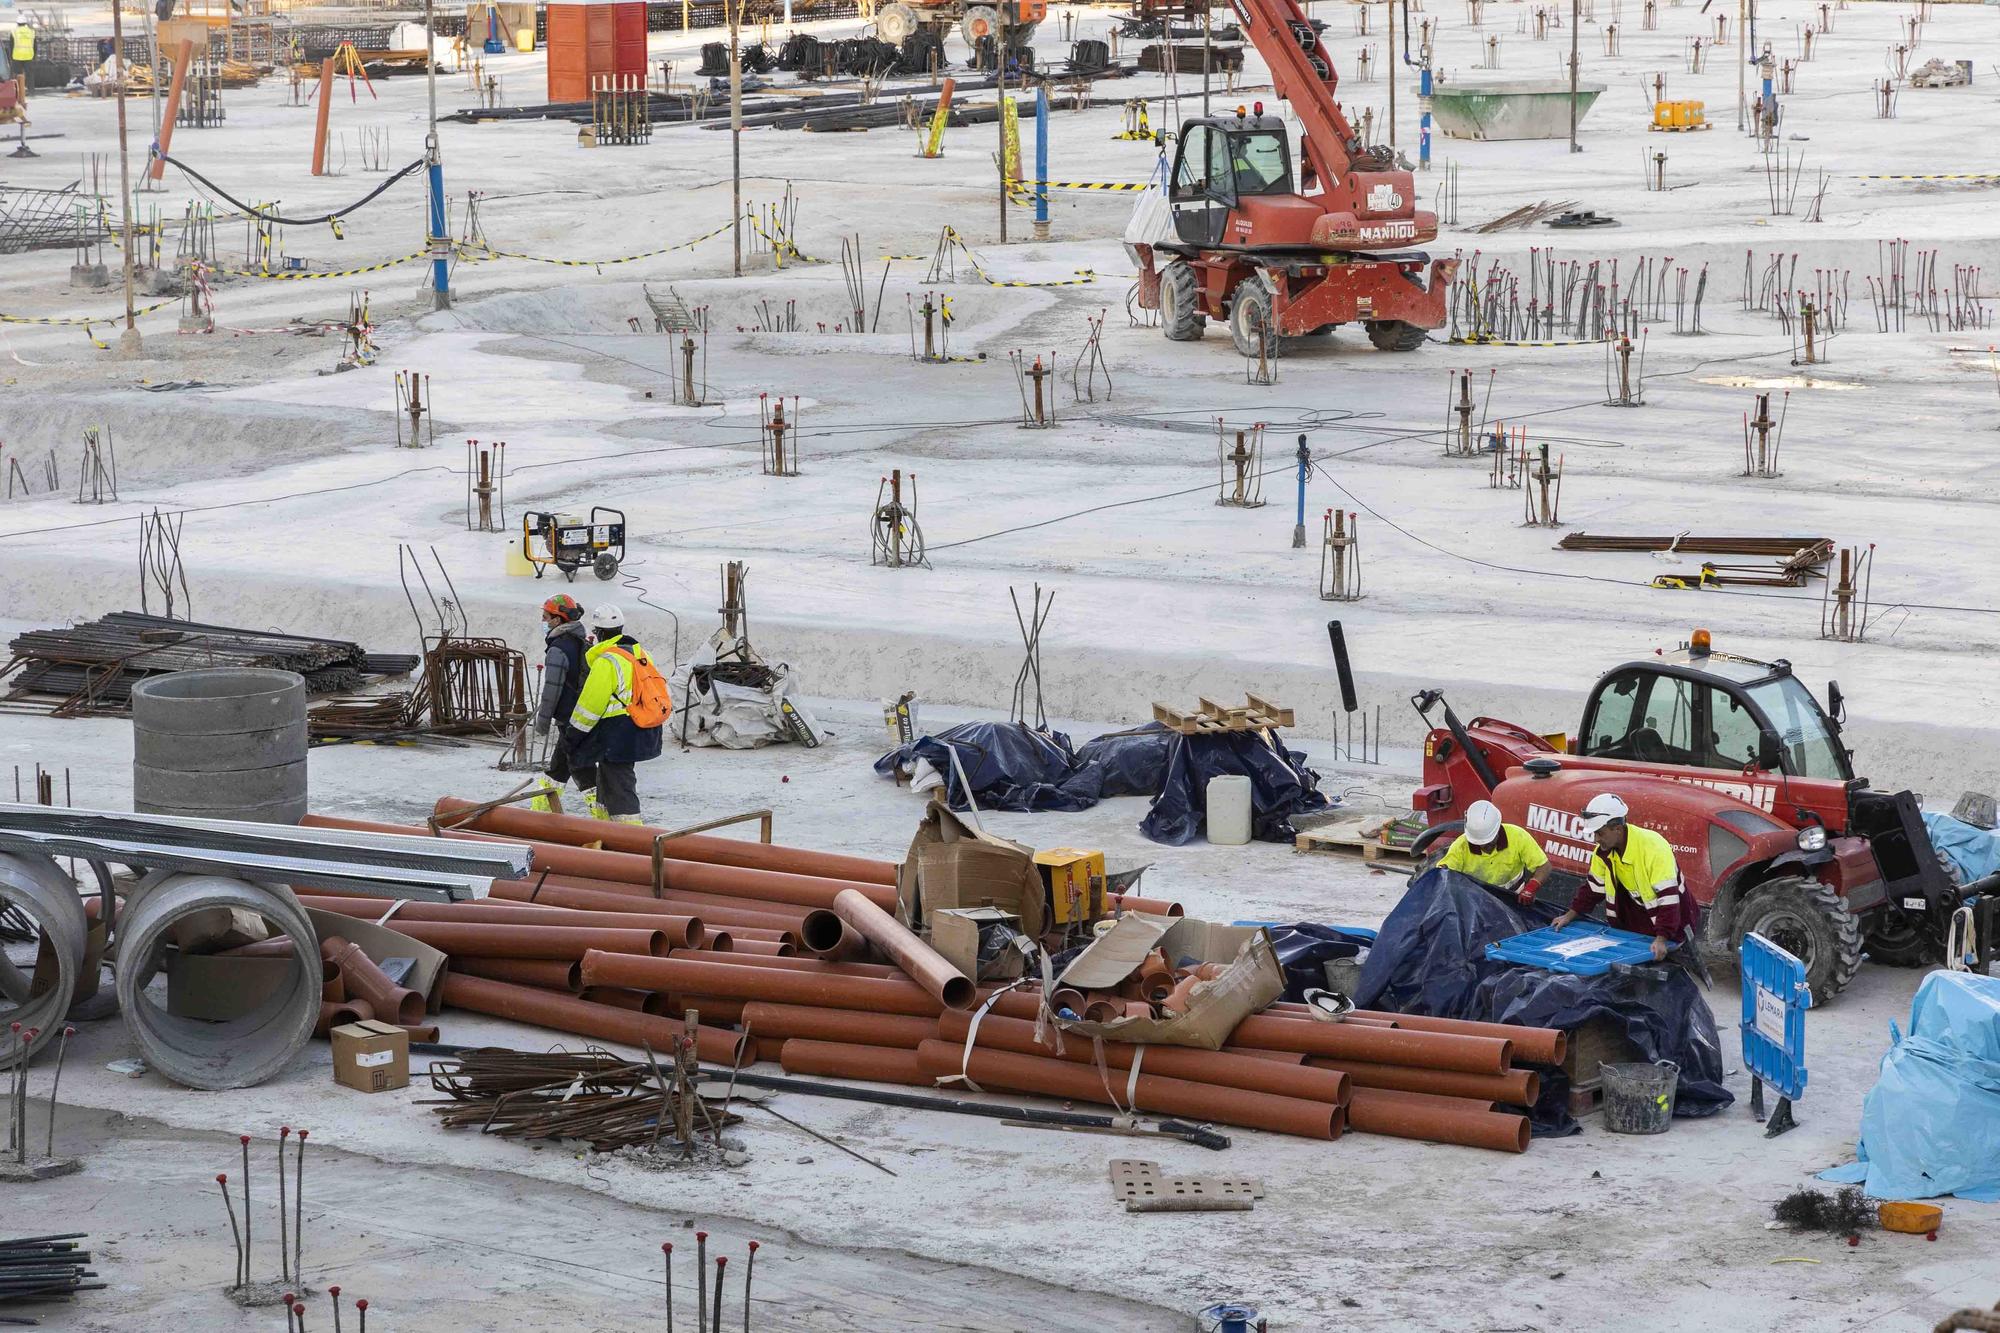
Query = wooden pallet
x=1354 y=840
x=1586 y=1098
x=1209 y=718
x=1680 y=129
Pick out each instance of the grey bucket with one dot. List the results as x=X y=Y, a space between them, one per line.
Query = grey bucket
x=1639 y=1098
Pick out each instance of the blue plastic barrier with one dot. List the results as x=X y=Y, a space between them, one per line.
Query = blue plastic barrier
x=1775 y=999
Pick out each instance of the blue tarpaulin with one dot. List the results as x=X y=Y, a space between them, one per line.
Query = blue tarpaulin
x=1973 y=850
x=1430 y=958
x=1010 y=765
x=1280 y=786
x=1931 y=1123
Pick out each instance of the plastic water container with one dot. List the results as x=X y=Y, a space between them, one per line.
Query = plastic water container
x=518 y=566
x=524 y=39
x=1229 y=810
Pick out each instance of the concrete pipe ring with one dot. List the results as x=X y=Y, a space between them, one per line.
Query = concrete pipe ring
x=236 y=1052
x=37 y=987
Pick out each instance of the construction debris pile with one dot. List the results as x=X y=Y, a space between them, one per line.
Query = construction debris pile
x=90 y=668
x=766 y=952
x=606 y=1101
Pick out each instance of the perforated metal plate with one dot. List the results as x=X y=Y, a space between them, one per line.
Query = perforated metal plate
x=1134 y=1179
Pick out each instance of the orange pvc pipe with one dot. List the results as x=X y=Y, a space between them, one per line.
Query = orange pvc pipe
x=420 y=1031
x=825 y=935
x=617 y=997
x=333 y=1013
x=1408 y=1115
x=767 y=886
x=1196 y=1066
x=639 y=839
x=482 y=941
x=319 y=121
x=545 y=973
x=760 y=948
x=710 y=1008
x=1171 y=1096
x=765 y=936
x=925 y=965
x=837 y=1025
x=566 y=1013
x=1128 y=902
x=738 y=981
x=1516 y=1087
x=1385 y=1046
x=605 y=895
x=183 y=58
x=1540 y=1046
x=866 y=1064
x=365 y=981
x=682 y=932
x=813 y=966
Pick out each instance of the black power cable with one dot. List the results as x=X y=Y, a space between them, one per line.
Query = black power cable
x=293 y=222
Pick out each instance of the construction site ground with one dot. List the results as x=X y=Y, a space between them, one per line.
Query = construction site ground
x=296 y=497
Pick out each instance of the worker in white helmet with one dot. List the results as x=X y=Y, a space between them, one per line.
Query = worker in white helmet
x=618 y=718
x=1498 y=854
x=1634 y=875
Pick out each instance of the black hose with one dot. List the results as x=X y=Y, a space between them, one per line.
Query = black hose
x=293 y=222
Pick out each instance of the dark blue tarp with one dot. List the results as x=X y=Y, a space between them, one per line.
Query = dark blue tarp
x=1280 y=786
x=1010 y=765
x=1123 y=763
x=1430 y=958
x=1304 y=949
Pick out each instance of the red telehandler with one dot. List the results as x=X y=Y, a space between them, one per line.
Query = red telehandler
x=1276 y=258
x=1738 y=766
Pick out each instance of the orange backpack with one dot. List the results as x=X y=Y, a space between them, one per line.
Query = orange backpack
x=652 y=703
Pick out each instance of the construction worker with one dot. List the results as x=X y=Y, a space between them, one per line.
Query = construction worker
x=22 y=51
x=562 y=680
x=1634 y=872
x=618 y=720
x=1499 y=855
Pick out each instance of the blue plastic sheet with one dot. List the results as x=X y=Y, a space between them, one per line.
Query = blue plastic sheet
x=1430 y=958
x=1974 y=850
x=1123 y=763
x=1010 y=765
x=1555 y=950
x=1280 y=786
x=1931 y=1123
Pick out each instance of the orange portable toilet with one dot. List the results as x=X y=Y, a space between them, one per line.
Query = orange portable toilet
x=587 y=40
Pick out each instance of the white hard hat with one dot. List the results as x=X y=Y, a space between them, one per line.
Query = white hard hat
x=1603 y=808
x=1482 y=823
x=607 y=617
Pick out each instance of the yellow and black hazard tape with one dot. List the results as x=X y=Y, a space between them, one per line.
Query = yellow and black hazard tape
x=85 y=321
x=1084 y=276
x=1028 y=187
x=1511 y=342
x=311 y=275
x=782 y=245
x=1940 y=176
x=486 y=252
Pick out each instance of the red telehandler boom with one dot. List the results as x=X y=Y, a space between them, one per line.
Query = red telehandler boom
x=1279 y=258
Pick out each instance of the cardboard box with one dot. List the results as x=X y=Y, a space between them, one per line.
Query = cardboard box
x=1251 y=980
x=952 y=864
x=219 y=987
x=955 y=934
x=1075 y=883
x=371 y=1056
x=384 y=941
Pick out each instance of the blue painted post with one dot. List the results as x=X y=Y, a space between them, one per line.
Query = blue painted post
x=439 y=243
x=1041 y=163
x=1305 y=467
x=1424 y=101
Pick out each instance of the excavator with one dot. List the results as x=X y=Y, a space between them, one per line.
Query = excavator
x=1244 y=242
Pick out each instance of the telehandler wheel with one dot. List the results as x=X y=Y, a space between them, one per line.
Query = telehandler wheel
x=979 y=21
x=1809 y=921
x=1251 y=321
x=895 y=22
x=1393 y=335
x=1181 y=314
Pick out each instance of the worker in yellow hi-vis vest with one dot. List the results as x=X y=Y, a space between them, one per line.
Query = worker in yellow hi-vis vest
x=21 y=51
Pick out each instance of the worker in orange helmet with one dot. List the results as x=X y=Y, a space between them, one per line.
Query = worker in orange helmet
x=562 y=680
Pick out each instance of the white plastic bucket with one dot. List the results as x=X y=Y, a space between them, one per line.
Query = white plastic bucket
x=1229 y=810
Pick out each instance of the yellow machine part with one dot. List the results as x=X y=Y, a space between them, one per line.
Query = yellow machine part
x=1076 y=883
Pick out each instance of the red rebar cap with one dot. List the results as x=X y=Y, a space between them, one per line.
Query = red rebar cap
x=701 y=1235
x=721 y=1260
x=753 y=1247
x=666 y=1247
x=361 y=1304
x=245 y=1138
x=284 y=1131
x=222 y=1180
x=333 y=1292
x=304 y=1132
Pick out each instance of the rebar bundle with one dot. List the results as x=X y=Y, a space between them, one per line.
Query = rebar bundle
x=44 y=1268
x=598 y=1097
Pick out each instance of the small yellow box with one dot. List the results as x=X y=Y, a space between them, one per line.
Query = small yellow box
x=1075 y=881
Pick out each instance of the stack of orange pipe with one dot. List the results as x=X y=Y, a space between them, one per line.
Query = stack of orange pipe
x=594 y=943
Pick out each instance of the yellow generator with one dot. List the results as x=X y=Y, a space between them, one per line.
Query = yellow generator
x=1676 y=116
x=1075 y=882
